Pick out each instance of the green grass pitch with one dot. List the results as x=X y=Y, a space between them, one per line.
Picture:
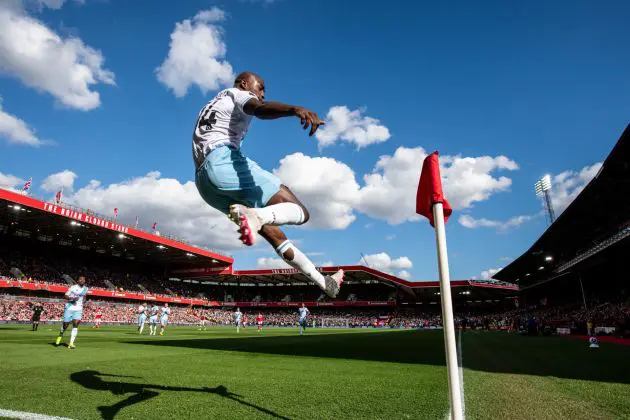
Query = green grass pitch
x=325 y=374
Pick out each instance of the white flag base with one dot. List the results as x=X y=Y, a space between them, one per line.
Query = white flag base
x=454 y=386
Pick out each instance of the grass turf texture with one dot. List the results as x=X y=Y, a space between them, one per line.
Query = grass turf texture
x=325 y=374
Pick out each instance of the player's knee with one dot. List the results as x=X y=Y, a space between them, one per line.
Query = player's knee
x=288 y=255
x=306 y=215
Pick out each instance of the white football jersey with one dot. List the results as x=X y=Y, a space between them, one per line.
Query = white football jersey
x=237 y=315
x=166 y=311
x=303 y=312
x=222 y=122
x=140 y=309
x=79 y=291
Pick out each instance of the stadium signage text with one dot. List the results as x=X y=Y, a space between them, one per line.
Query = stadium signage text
x=69 y=213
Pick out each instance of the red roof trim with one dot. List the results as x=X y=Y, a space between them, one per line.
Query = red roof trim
x=107 y=224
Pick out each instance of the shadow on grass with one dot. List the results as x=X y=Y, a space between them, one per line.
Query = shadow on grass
x=92 y=379
x=482 y=351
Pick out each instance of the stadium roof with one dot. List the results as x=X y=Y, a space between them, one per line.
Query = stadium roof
x=63 y=224
x=598 y=215
x=353 y=274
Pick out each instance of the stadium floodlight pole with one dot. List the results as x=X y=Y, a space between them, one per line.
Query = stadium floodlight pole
x=431 y=203
x=542 y=187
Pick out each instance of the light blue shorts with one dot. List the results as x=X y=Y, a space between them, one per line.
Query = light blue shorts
x=142 y=319
x=227 y=177
x=164 y=321
x=70 y=315
x=153 y=319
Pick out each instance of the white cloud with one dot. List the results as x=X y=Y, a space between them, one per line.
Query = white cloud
x=390 y=190
x=327 y=264
x=269 y=263
x=569 y=184
x=330 y=191
x=176 y=207
x=197 y=55
x=404 y=274
x=390 y=237
x=15 y=130
x=326 y=187
x=64 y=179
x=352 y=127
x=506 y=258
x=41 y=59
x=472 y=223
x=9 y=181
x=487 y=274
x=383 y=262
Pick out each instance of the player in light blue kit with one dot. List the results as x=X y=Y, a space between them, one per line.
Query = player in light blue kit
x=303 y=318
x=73 y=311
x=142 y=317
x=164 y=319
x=153 y=319
x=237 y=319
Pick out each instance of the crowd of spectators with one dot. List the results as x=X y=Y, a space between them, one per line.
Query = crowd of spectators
x=125 y=276
x=578 y=320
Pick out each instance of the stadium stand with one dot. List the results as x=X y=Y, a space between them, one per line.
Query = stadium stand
x=569 y=279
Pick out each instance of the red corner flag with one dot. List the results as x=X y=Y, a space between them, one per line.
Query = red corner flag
x=430 y=189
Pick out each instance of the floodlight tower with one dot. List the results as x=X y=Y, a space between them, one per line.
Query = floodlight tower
x=542 y=187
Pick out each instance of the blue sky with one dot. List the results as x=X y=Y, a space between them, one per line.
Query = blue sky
x=507 y=92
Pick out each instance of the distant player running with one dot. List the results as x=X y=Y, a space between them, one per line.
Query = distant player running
x=97 y=319
x=38 y=310
x=202 y=320
x=166 y=311
x=237 y=319
x=253 y=198
x=153 y=319
x=142 y=317
x=259 y=320
x=73 y=311
x=302 y=321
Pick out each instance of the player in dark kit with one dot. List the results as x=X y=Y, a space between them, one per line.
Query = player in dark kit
x=38 y=310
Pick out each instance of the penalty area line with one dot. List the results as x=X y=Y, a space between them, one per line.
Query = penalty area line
x=25 y=415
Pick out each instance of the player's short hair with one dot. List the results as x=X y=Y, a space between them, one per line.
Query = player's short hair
x=244 y=76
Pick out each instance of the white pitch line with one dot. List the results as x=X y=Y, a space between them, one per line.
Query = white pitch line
x=24 y=415
x=460 y=368
x=460 y=362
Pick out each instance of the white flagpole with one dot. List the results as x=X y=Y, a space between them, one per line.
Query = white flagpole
x=454 y=387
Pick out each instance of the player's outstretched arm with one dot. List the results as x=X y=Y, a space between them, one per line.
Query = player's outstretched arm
x=273 y=110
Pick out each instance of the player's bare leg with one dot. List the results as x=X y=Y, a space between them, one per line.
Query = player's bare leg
x=73 y=333
x=64 y=326
x=283 y=208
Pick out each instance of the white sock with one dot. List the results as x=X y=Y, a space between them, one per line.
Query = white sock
x=61 y=331
x=281 y=214
x=73 y=335
x=141 y=328
x=302 y=263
